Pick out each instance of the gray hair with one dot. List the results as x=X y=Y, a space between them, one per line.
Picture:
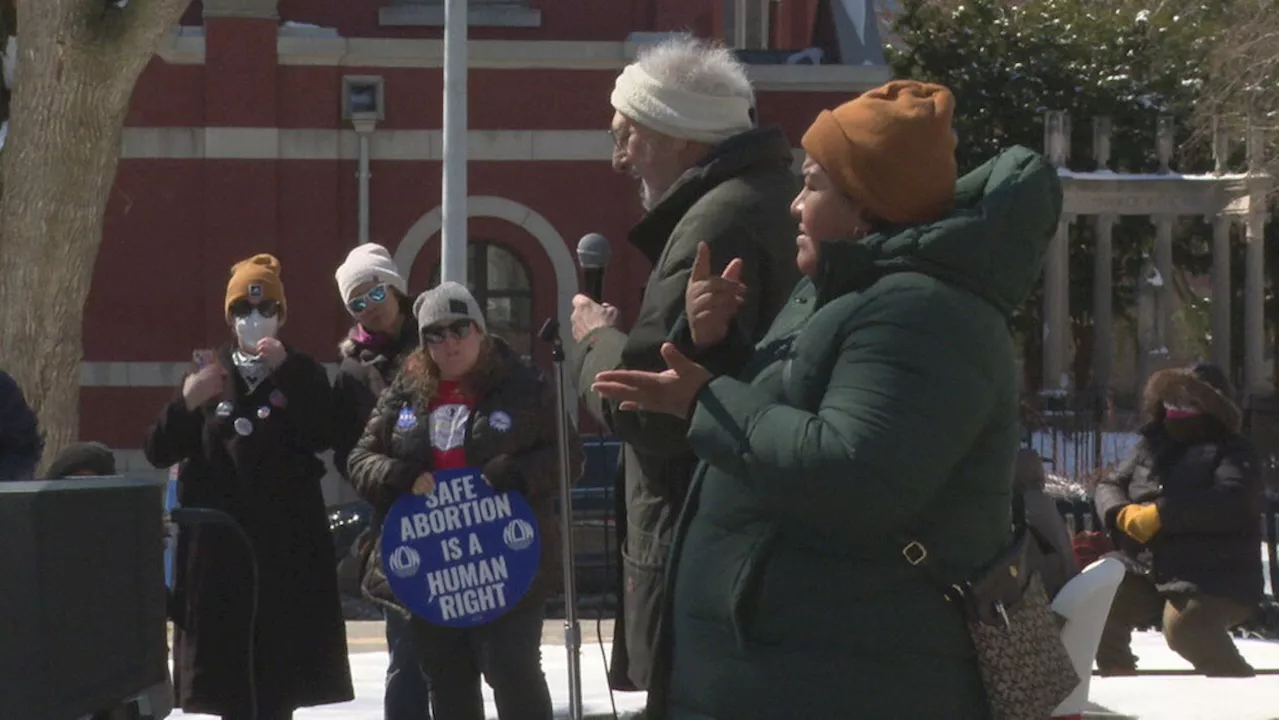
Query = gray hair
x=688 y=63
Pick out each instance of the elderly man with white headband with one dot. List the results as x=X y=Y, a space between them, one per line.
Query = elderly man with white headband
x=714 y=187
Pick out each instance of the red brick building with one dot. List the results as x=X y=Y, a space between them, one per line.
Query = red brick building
x=242 y=139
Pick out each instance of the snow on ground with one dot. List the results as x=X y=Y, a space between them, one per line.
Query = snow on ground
x=368 y=669
x=1176 y=697
x=1190 y=697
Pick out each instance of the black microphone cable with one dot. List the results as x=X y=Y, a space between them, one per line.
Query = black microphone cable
x=182 y=517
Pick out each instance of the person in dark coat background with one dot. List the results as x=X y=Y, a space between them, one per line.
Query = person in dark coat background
x=247 y=426
x=1183 y=511
x=20 y=441
x=384 y=333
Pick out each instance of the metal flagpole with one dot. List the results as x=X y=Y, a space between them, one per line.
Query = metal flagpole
x=550 y=332
x=453 y=196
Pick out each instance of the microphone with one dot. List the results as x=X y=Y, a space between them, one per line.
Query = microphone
x=593 y=257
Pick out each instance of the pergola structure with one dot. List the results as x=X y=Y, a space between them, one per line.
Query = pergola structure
x=1222 y=198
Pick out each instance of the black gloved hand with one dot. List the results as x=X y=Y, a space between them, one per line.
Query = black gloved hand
x=503 y=474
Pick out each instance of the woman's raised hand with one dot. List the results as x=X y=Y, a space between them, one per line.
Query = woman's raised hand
x=712 y=301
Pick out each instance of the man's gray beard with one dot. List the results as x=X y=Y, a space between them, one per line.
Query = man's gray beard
x=648 y=198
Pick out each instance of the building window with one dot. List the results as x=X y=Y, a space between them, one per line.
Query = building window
x=501 y=284
x=747 y=24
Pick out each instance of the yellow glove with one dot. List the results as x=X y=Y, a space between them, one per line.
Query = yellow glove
x=1140 y=522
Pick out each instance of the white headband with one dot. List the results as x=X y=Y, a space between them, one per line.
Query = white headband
x=679 y=113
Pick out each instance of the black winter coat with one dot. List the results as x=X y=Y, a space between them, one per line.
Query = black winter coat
x=1210 y=497
x=363 y=373
x=269 y=482
x=20 y=441
x=524 y=456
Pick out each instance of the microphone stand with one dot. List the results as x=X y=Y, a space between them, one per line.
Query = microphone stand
x=550 y=332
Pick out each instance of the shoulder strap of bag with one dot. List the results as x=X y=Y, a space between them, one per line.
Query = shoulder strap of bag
x=917 y=554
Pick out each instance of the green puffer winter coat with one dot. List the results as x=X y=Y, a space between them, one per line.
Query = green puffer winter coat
x=881 y=405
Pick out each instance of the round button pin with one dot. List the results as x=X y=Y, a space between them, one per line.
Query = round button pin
x=263 y=412
x=243 y=426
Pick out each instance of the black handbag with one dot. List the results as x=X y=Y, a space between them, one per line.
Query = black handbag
x=352 y=566
x=1024 y=664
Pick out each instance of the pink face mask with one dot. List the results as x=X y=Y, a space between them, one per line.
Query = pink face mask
x=1180 y=412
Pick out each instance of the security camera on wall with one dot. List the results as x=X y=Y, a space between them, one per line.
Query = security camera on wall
x=363 y=100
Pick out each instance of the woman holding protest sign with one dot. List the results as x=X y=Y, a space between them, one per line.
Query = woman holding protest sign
x=245 y=427
x=462 y=443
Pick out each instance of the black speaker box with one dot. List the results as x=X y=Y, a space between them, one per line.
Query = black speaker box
x=82 y=595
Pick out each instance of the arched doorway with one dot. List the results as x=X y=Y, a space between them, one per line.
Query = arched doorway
x=491 y=206
x=503 y=286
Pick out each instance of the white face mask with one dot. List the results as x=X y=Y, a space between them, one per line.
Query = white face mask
x=253 y=327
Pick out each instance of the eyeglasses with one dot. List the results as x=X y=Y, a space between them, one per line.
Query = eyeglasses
x=376 y=296
x=620 y=136
x=436 y=334
x=266 y=308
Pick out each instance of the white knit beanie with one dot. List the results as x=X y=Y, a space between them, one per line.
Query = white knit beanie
x=365 y=263
x=679 y=113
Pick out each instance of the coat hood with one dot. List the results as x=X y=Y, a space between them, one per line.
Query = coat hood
x=992 y=244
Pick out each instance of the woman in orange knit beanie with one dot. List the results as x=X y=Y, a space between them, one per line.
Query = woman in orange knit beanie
x=245 y=429
x=884 y=159
x=874 y=429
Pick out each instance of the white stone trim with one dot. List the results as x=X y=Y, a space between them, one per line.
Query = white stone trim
x=186 y=47
x=136 y=374
x=253 y=143
x=505 y=14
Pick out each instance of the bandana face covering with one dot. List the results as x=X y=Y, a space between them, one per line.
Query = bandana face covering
x=1184 y=423
x=252 y=368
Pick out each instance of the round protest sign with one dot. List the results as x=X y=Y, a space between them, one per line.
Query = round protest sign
x=461 y=555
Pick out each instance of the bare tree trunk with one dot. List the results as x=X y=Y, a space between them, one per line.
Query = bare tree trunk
x=77 y=66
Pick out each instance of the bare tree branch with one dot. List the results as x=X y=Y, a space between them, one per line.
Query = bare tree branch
x=1241 y=71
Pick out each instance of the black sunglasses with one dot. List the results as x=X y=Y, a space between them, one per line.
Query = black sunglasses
x=266 y=308
x=436 y=334
x=376 y=296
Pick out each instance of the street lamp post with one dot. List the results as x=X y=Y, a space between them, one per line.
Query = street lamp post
x=453 y=196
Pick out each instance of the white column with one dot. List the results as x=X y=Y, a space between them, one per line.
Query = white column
x=1103 y=347
x=1222 y=291
x=1166 y=294
x=1255 y=379
x=1057 y=309
x=453 y=196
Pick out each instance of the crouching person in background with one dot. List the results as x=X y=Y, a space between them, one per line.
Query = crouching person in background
x=247 y=426
x=1183 y=511
x=465 y=399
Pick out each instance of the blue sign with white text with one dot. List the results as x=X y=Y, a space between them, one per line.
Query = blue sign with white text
x=461 y=555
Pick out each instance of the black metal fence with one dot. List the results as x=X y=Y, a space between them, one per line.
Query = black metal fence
x=1080 y=436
